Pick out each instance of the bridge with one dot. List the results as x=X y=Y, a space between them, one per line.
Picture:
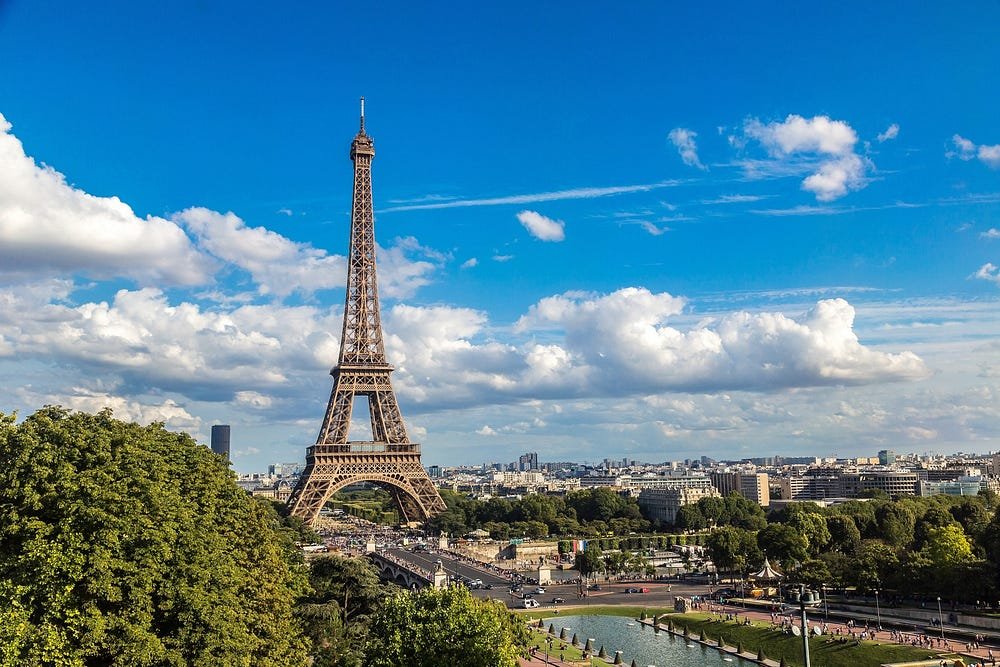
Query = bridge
x=404 y=573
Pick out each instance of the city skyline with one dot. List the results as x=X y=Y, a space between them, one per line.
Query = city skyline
x=656 y=234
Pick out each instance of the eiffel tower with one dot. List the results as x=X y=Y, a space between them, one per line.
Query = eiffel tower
x=389 y=460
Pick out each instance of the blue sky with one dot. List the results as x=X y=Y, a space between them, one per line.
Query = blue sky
x=647 y=231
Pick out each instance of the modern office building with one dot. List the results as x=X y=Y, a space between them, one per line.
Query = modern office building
x=220 y=440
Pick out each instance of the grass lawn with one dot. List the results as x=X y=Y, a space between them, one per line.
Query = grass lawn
x=825 y=651
x=571 y=653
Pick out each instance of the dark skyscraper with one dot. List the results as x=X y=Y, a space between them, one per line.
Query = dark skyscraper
x=220 y=440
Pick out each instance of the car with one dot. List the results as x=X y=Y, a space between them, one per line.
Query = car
x=540 y=590
x=530 y=604
x=488 y=587
x=476 y=583
x=515 y=588
x=723 y=593
x=629 y=591
x=594 y=587
x=557 y=600
x=527 y=596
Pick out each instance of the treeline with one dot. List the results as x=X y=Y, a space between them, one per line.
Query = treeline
x=586 y=513
x=131 y=546
x=937 y=545
x=638 y=542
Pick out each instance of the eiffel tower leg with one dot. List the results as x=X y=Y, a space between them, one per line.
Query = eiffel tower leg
x=309 y=497
x=409 y=510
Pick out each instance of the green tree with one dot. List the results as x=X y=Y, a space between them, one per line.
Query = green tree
x=813 y=527
x=947 y=546
x=124 y=545
x=844 y=534
x=733 y=549
x=345 y=592
x=590 y=560
x=783 y=543
x=875 y=563
x=689 y=517
x=431 y=627
x=895 y=524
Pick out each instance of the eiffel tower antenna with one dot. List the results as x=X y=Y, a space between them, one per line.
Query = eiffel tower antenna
x=389 y=459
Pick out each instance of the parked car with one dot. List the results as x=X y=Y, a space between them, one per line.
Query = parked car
x=594 y=587
x=530 y=604
x=540 y=590
x=557 y=600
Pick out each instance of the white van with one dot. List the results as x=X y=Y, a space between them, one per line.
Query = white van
x=531 y=604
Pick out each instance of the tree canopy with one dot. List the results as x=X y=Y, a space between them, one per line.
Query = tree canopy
x=434 y=627
x=129 y=545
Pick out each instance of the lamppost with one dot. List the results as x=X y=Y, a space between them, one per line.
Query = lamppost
x=806 y=597
x=826 y=606
x=878 y=613
x=940 y=619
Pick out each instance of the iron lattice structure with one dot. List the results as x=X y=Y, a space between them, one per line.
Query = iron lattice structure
x=389 y=459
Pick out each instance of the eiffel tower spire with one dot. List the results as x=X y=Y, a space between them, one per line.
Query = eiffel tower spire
x=389 y=459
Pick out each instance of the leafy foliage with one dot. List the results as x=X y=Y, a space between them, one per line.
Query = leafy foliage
x=432 y=627
x=129 y=545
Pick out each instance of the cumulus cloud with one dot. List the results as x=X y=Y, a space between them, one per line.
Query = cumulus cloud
x=891 y=132
x=683 y=140
x=966 y=149
x=156 y=345
x=991 y=233
x=280 y=266
x=826 y=145
x=469 y=263
x=168 y=411
x=988 y=271
x=541 y=227
x=48 y=225
x=624 y=334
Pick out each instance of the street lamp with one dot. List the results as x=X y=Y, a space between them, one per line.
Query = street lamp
x=878 y=613
x=806 y=597
x=826 y=605
x=940 y=619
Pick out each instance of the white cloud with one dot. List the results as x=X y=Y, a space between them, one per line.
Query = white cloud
x=991 y=233
x=280 y=266
x=253 y=399
x=652 y=228
x=573 y=193
x=48 y=225
x=836 y=177
x=469 y=263
x=826 y=145
x=502 y=258
x=988 y=271
x=541 y=227
x=486 y=430
x=286 y=211
x=796 y=134
x=168 y=411
x=891 y=132
x=624 y=335
x=990 y=155
x=967 y=150
x=683 y=139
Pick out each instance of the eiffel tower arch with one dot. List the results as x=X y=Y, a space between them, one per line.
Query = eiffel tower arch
x=389 y=459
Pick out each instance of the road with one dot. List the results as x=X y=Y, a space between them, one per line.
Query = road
x=428 y=560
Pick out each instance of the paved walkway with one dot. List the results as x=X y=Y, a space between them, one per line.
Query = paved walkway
x=982 y=653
